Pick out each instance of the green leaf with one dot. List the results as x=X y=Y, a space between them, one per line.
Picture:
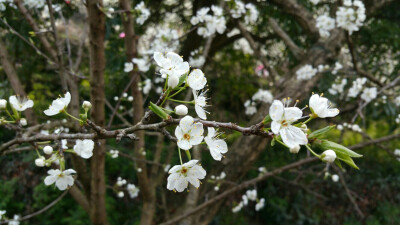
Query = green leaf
x=337 y=162
x=181 y=80
x=158 y=111
x=267 y=119
x=346 y=159
x=320 y=132
x=325 y=145
x=273 y=142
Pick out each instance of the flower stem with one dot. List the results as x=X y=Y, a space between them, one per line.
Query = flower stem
x=308 y=120
x=180 y=156
x=9 y=114
x=73 y=117
x=166 y=97
x=183 y=88
x=309 y=148
x=184 y=102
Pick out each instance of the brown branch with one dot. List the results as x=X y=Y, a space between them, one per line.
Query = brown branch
x=297 y=52
x=355 y=65
x=375 y=141
x=348 y=193
x=238 y=188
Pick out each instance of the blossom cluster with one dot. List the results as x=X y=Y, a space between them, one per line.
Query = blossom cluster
x=209 y=24
x=351 y=15
x=306 y=72
x=249 y=11
x=251 y=195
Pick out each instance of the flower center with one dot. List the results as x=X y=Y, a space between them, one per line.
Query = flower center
x=186 y=136
x=284 y=123
x=184 y=170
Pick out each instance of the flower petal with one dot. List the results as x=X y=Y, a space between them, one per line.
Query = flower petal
x=276 y=110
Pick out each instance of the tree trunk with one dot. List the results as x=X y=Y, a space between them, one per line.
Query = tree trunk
x=96 y=19
x=147 y=188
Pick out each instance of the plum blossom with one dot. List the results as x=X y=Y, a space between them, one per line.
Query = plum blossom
x=324 y=25
x=200 y=101
x=172 y=65
x=369 y=94
x=128 y=67
x=15 y=220
x=282 y=118
x=217 y=146
x=210 y=23
x=181 y=175
x=321 y=107
x=144 y=13
x=84 y=148
x=351 y=16
x=306 y=72
x=20 y=104
x=335 y=178
x=189 y=133
x=142 y=64
x=132 y=190
x=58 y=105
x=196 y=79
x=63 y=179
x=260 y=204
x=252 y=194
x=263 y=96
x=3 y=103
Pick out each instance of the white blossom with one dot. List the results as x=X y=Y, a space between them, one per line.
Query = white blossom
x=63 y=179
x=171 y=64
x=351 y=16
x=181 y=175
x=144 y=13
x=3 y=103
x=217 y=146
x=128 y=67
x=121 y=194
x=282 y=118
x=14 y=221
x=196 y=80
x=189 y=133
x=237 y=208
x=245 y=200
x=40 y=162
x=324 y=23
x=58 y=105
x=143 y=64
x=200 y=102
x=369 y=94
x=2 y=212
x=306 y=72
x=263 y=96
x=397 y=152
x=20 y=104
x=260 y=204
x=84 y=148
x=357 y=86
x=321 y=107
x=132 y=190
x=252 y=194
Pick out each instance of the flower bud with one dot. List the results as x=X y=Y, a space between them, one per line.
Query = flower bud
x=295 y=149
x=23 y=122
x=335 y=178
x=48 y=150
x=39 y=162
x=173 y=81
x=120 y=194
x=130 y=98
x=181 y=110
x=328 y=156
x=86 y=105
x=3 y=103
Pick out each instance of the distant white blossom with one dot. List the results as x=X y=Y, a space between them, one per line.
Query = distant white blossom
x=144 y=13
x=322 y=107
x=369 y=94
x=351 y=16
x=306 y=72
x=132 y=190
